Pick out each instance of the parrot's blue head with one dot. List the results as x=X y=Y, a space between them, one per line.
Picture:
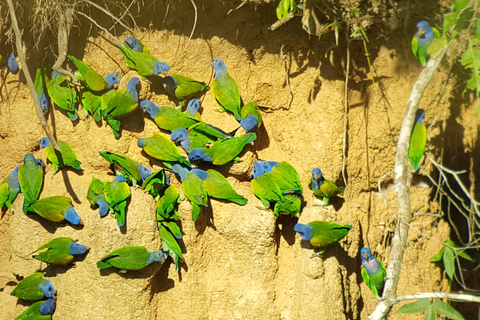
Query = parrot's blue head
x=144 y=172
x=305 y=231
x=366 y=254
x=160 y=68
x=133 y=43
x=13 y=179
x=141 y=142
x=181 y=171
x=156 y=256
x=40 y=163
x=56 y=74
x=179 y=135
x=193 y=106
x=28 y=157
x=317 y=174
x=170 y=84
x=199 y=154
x=258 y=169
x=132 y=87
x=151 y=108
x=48 y=307
x=219 y=67
x=249 y=123
x=112 y=79
x=103 y=207
x=72 y=216
x=42 y=98
x=48 y=289
x=369 y=262
x=267 y=167
x=77 y=248
x=12 y=64
x=120 y=179
x=202 y=174
x=420 y=115
x=421 y=27
x=44 y=142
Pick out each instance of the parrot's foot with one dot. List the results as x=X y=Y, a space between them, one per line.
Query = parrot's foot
x=146 y=80
x=316 y=255
x=122 y=271
x=262 y=208
x=219 y=110
x=179 y=107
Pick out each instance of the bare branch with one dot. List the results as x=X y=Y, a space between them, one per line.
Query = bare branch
x=462 y=297
x=33 y=92
x=108 y=13
x=99 y=26
x=65 y=22
x=403 y=178
x=345 y=115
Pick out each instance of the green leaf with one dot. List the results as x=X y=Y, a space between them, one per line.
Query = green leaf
x=464 y=255
x=446 y=310
x=471 y=60
x=460 y=4
x=448 y=22
x=438 y=256
x=449 y=262
x=430 y=314
x=414 y=307
x=436 y=45
x=463 y=19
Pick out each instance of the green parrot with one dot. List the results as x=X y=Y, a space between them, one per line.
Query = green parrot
x=41 y=87
x=92 y=104
x=182 y=87
x=222 y=151
x=193 y=188
x=217 y=186
x=34 y=287
x=40 y=310
x=167 y=203
x=124 y=166
x=96 y=196
x=322 y=187
x=67 y=156
x=267 y=190
x=170 y=245
x=136 y=45
x=130 y=258
x=60 y=251
x=373 y=272
x=55 y=209
x=418 y=140
x=92 y=79
x=161 y=148
x=422 y=39
x=321 y=234
x=9 y=189
x=62 y=94
x=145 y=64
x=225 y=89
x=292 y=207
x=198 y=136
x=287 y=177
x=30 y=178
x=167 y=118
x=156 y=183
x=116 y=193
x=251 y=117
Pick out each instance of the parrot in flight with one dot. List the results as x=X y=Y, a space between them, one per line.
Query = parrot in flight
x=60 y=251
x=322 y=187
x=130 y=258
x=321 y=234
x=34 y=287
x=67 y=155
x=373 y=272
x=418 y=140
x=422 y=39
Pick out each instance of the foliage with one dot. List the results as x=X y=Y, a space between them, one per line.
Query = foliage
x=431 y=309
x=448 y=254
x=284 y=8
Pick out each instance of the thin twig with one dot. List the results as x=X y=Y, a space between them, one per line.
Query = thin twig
x=403 y=178
x=462 y=297
x=191 y=33
x=244 y=2
x=108 y=13
x=345 y=115
x=33 y=92
x=99 y=26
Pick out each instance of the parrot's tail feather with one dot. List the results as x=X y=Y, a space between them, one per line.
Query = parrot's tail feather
x=195 y=211
x=103 y=265
x=240 y=200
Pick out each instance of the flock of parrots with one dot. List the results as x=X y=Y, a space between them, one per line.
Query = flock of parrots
x=276 y=184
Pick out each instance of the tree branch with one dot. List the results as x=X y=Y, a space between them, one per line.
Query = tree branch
x=65 y=22
x=463 y=297
x=33 y=91
x=403 y=178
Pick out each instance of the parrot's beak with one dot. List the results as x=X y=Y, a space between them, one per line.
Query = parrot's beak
x=316 y=176
x=365 y=256
x=165 y=72
x=421 y=32
x=211 y=64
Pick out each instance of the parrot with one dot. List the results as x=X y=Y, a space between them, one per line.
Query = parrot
x=155 y=183
x=67 y=155
x=321 y=234
x=225 y=89
x=161 y=148
x=217 y=186
x=292 y=207
x=34 y=287
x=418 y=140
x=373 y=272
x=193 y=188
x=266 y=189
x=183 y=88
x=170 y=245
x=40 y=87
x=120 y=104
x=144 y=63
x=93 y=80
x=92 y=103
x=130 y=258
x=9 y=189
x=422 y=39
x=124 y=166
x=30 y=178
x=251 y=119
x=12 y=64
x=62 y=95
x=55 y=209
x=116 y=193
x=198 y=136
x=322 y=187
x=167 y=118
x=96 y=196
x=287 y=177
x=60 y=251
x=222 y=151
x=192 y=109
x=40 y=310
x=136 y=45
x=167 y=202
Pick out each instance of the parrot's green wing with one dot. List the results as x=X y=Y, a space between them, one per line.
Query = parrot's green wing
x=40 y=83
x=58 y=251
x=217 y=186
x=92 y=104
x=118 y=105
x=375 y=282
x=4 y=195
x=166 y=204
x=116 y=192
x=188 y=87
x=142 y=62
x=266 y=189
x=95 y=191
x=291 y=180
x=51 y=208
x=59 y=242
x=251 y=109
x=325 y=233
x=62 y=95
x=329 y=189
x=162 y=148
x=67 y=156
x=366 y=277
x=418 y=141
x=93 y=80
x=170 y=245
x=226 y=92
x=202 y=134
x=415 y=46
x=29 y=288
x=225 y=150
x=293 y=207
x=30 y=177
x=155 y=183
x=127 y=258
x=437 y=33
x=33 y=313
x=194 y=191
x=123 y=166
x=171 y=119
